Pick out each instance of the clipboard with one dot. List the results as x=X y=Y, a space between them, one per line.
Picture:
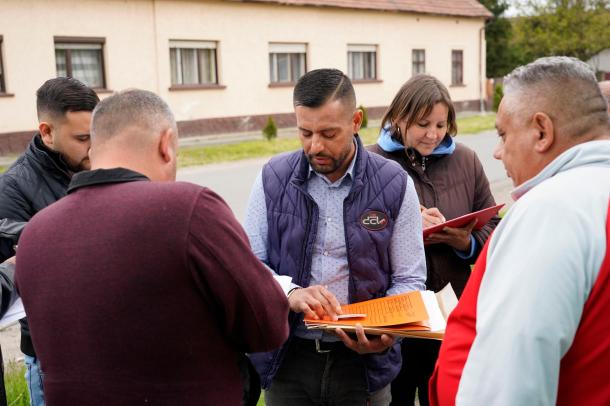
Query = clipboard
x=482 y=216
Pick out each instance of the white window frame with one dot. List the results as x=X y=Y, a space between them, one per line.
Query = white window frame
x=290 y=50
x=367 y=51
x=179 y=46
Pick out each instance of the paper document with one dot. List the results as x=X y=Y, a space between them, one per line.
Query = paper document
x=386 y=311
x=412 y=314
x=14 y=313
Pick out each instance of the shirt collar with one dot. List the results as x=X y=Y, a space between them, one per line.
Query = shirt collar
x=103 y=177
x=348 y=174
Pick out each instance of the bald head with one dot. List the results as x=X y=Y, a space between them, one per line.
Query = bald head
x=564 y=88
x=605 y=88
x=134 y=129
x=131 y=117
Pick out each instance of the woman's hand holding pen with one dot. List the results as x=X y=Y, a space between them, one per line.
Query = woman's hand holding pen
x=458 y=238
x=431 y=217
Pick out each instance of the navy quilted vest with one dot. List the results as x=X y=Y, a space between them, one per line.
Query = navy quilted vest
x=379 y=185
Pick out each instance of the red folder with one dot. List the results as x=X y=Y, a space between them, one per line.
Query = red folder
x=482 y=216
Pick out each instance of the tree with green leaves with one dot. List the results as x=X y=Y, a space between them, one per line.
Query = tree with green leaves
x=579 y=28
x=498 y=33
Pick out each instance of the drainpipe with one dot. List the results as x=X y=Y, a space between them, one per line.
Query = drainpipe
x=481 y=73
x=156 y=45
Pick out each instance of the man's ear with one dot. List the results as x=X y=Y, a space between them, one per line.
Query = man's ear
x=167 y=145
x=357 y=120
x=45 y=130
x=545 y=132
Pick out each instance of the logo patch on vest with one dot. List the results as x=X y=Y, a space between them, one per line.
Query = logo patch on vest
x=374 y=220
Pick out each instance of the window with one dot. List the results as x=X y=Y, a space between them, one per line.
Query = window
x=2 y=86
x=287 y=62
x=193 y=62
x=457 y=67
x=82 y=59
x=418 y=58
x=362 y=62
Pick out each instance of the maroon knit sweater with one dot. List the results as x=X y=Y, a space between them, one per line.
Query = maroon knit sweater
x=143 y=293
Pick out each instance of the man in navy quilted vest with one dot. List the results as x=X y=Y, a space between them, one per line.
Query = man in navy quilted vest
x=344 y=225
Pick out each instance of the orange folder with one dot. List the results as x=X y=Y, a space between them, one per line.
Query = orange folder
x=419 y=314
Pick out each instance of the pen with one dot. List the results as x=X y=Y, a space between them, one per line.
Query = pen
x=423 y=208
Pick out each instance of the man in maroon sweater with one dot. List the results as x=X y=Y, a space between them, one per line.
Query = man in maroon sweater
x=139 y=291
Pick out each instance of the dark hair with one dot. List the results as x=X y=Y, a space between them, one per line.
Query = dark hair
x=319 y=86
x=61 y=95
x=415 y=100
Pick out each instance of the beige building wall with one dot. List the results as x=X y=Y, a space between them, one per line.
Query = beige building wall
x=136 y=50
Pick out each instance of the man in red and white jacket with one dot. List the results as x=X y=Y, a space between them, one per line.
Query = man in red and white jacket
x=531 y=327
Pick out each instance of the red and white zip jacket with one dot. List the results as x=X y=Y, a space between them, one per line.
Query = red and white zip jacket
x=533 y=324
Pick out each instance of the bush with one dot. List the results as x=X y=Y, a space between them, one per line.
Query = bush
x=270 y=129
x=498 y=94
x=365 y=117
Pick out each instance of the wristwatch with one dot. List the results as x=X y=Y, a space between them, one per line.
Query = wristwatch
x=291 y=291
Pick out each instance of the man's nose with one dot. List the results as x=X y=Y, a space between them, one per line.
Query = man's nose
x=498 y=151
x=317 y=145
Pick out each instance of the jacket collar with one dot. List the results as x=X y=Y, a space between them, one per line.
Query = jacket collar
x=104 y=177
x=388 y=144
x=590 y=153
x=47 y=158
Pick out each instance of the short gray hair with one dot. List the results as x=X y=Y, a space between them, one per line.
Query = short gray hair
x=565 y=87
x=551 y=68
x=131 y=108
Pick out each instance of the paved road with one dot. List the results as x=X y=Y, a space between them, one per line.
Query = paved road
x=234 y=180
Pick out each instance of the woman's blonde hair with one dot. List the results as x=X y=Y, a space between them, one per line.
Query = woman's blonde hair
x=415 y=100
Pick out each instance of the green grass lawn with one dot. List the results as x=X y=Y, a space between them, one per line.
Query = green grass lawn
x=14 y=382
x=194 y=156
x=249 y=149
x=476 y=124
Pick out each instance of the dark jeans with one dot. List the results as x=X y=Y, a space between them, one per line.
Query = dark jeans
x=335 y=378
x=252 y=382
x=418 y=360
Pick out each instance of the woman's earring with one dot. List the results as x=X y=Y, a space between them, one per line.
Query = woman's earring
x=397 y=135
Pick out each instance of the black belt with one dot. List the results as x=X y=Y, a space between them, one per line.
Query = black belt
x=319 y=346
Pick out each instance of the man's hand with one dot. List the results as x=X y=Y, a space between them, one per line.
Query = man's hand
x=458 y=238
x=12 y=260
x=316 y=302
x=431 y=217
x=365 y=345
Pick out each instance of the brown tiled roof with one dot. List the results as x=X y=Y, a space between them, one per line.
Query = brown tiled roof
x=462 y=8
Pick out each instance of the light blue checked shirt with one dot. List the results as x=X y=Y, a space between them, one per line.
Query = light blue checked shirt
x=329 y=265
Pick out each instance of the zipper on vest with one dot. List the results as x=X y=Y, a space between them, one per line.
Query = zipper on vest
x=310 y=234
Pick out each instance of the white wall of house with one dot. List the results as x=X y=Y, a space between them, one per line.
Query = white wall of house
x=136 y=52
x=601 y=61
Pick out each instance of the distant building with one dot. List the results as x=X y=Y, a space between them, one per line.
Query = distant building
x=601 y=64
x=228 y=65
